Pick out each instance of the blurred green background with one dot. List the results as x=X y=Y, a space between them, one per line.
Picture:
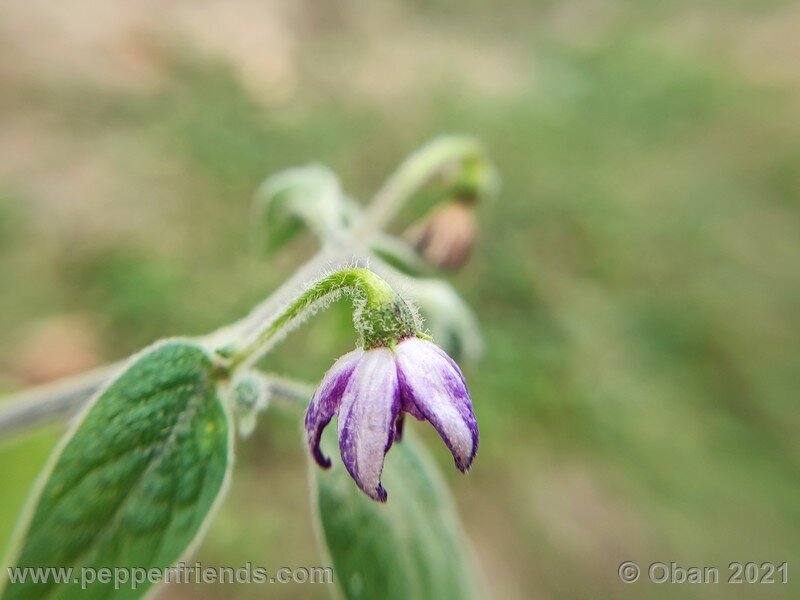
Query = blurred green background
x=637 y=281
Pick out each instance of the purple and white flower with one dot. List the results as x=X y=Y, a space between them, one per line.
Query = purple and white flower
x=371 y=390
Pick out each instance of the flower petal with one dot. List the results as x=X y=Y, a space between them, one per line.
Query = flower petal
x=369 y=410
x=326 y=401
x=433 y=388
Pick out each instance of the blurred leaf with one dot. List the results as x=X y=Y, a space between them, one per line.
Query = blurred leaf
x=452 y=323
x=399 y=254
x=294 y=199
x=410 y=547
x=135 y=481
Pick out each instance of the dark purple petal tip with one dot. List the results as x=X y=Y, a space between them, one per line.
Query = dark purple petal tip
x=380 y=495
x=322 y=460
x=325 y=403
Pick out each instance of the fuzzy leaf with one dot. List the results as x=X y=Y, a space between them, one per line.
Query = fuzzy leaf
x=134 y=482
x=410 y=547
x=294 y=199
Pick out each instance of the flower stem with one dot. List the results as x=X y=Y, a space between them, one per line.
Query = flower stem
x=432 y=159
x=59 y=398
x=381 y=317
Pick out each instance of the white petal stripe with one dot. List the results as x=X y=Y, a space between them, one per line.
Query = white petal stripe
x=367 y=414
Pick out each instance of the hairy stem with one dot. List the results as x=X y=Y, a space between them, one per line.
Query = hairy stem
x=44 y=404
x=49 y=403
x=381 y=316
x=310 y=270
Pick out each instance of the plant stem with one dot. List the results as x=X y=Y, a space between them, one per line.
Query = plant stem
x=380 y=316
x=325 y=259
x=44 y=404
x=52 y=402
x=412 y=174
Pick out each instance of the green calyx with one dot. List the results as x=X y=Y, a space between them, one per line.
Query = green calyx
x=381 y=316
x=385 y=325
x=477 y=179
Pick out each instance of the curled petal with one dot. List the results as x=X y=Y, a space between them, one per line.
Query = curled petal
x=433 y=388
x=367 y=416
x=326 y=401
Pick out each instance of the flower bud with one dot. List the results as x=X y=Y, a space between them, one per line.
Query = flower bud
x=446 y=235
x=250 y=396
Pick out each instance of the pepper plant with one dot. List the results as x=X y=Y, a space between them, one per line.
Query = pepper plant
x=147 y=460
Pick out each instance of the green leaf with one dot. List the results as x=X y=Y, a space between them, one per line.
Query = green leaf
x=294 y=199
x=410 y=547
x=133 y=483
